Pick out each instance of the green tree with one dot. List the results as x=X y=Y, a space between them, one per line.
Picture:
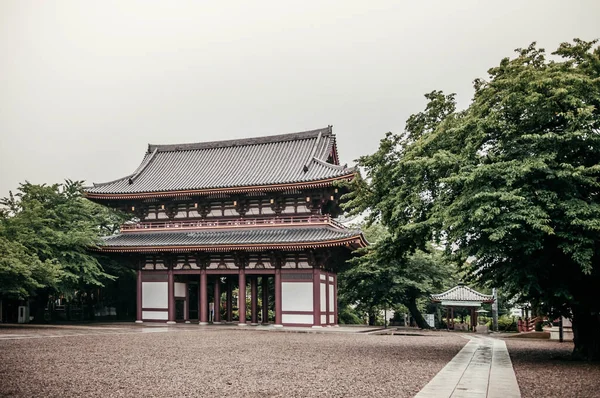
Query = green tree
x=382 y=277
x=45 y=236
x=511 y=182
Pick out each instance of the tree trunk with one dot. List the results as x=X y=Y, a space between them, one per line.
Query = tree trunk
x=372 y=316
x=586 y=334
x=411 y=304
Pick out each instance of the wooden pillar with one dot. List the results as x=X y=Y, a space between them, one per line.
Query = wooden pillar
x=254 y=300
x=203 y=298
x=171 y=293
x=229 y=303
x=327 y=309
x=138 y=317
x=335 y=300
x=265 y=299
x=186 y=313
x=278 y=317
x=217 y=305
x=452 y=317
x=242 y=297
x=316 y=297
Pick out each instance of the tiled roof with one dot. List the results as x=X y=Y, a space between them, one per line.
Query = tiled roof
x=462 y=293
x=280 y=159
x=254 y=239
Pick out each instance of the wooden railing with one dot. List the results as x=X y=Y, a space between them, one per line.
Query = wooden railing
x=230 y=223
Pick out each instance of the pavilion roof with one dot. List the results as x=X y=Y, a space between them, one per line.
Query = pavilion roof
x=306 y=158
x=292 y=238
x=462 y=293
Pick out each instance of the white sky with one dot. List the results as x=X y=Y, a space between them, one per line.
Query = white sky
x=86 y=85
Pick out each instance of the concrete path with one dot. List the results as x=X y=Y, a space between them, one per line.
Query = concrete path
x=481 y=369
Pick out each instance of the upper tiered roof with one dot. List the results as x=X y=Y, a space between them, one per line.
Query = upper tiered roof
x=278 y=162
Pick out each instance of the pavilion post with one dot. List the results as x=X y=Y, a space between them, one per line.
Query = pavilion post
x=278 y=317
x=242 y=297
x=265 y=299
x=171 y=293
x=203 y=298
x=139 y=298
x=229 y=299
x=217 y=305
x=254 y=300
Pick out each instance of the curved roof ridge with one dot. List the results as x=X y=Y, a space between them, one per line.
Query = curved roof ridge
x=142 y=167
x=145 y=162
x=242 y=141
x=332 y=166
x=468 y=294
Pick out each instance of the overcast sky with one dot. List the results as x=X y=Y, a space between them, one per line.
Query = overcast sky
x=86 y=85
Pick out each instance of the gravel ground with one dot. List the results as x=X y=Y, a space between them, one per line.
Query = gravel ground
x=543 y=369
x=212 y=362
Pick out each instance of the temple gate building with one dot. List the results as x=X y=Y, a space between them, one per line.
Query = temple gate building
x=213 y=217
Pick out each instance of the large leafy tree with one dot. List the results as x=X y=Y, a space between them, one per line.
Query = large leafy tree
x=46 y=232
x=512 y=182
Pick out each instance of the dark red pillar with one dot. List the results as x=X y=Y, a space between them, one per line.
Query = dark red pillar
x=335 y=300
x=171 y=293
x=203 y=298
x=229 y=299
x=327 y=309
x=186 y=315
x=217 y=316
x=278 y=316
x=316 y=297
x=265 y=299
x=254 y=300
x=138 y=316
x=242 y=297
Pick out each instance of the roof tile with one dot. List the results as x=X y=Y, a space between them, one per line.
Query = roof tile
x=248 y=162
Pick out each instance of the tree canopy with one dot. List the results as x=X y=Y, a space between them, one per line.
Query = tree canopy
x=511 y=183
x=46 y=232
x=380 y=278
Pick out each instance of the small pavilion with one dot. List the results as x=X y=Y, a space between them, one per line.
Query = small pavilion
x=461 y=296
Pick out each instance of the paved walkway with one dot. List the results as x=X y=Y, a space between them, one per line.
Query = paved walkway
x=31 y=331
x=481 y=369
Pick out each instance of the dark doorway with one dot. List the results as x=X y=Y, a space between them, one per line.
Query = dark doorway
x=193 y=295
x=179 y=310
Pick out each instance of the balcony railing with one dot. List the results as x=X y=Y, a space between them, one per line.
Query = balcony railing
x=230 y=223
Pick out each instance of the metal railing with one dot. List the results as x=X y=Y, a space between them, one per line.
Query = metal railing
x=230 y=223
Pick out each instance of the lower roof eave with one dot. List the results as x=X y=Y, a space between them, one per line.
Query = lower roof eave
x=353 y=243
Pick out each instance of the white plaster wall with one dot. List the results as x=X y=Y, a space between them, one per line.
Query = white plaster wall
x=323 y=319
x=296 y=318
x=323 y=277
x=180 y=289
x=155 y=315
x=297 y=296
x=331 y=298
x=331 y=279
x=155 y=295
x=323 y=297
x=331 y=318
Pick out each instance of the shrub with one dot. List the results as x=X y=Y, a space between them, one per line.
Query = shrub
x=349 y=316
x=507 y=324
